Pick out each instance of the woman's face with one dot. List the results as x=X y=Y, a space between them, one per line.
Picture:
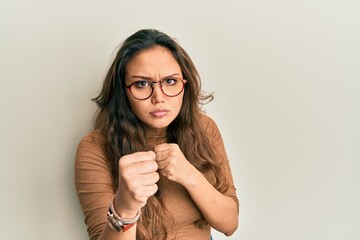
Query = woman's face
x=154 y=64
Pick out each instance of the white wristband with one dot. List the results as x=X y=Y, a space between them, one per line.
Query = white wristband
x=124 y=221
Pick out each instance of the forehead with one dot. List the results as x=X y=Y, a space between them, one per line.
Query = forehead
x=154 y=62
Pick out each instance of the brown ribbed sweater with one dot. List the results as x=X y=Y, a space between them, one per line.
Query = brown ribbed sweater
x=94 y=187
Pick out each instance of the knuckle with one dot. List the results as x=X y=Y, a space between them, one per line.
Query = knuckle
x=122 y=162
x=173 y=154
x=151 y=166
x=155 y=166
x=152 y=190
x=172 y=161
x=174 y=146
x=155 y=188
x=152 y=154
x=157 y=176
x=125 y=174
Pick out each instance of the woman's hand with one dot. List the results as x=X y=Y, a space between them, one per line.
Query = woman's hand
x=137 y=182
x=173 y=164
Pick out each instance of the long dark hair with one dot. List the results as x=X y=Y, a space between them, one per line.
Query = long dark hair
x=125 y=134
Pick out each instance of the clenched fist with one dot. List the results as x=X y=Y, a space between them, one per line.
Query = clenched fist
x=137 y=182
x=173 y=164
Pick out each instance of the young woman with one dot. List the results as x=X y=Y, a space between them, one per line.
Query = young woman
x=154 y=167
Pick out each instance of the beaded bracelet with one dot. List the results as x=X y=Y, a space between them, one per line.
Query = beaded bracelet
x=118 y=223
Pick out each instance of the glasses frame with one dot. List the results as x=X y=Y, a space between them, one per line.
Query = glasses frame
x=152 y=84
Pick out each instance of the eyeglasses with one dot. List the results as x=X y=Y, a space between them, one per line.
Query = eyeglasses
x=143 y=89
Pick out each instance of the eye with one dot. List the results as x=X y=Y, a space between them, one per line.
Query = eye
x=170 y=81
x=142 y=84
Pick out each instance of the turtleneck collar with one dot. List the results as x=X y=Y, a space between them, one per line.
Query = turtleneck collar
x=155 y=137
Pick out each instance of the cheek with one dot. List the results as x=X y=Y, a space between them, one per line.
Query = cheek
x=136 y=108
x=134 y=105
x=139 y=108
x=179 y=102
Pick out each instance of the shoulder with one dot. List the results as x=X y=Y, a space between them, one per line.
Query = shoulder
x=94 y=136
x=94 y=141
x=210 y=126
x=206 y=121
x=91 y=148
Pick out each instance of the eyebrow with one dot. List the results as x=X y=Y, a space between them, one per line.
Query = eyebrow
x=150 y=78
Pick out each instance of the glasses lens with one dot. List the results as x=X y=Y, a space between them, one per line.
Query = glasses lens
x=172 y=86
x=141 y=89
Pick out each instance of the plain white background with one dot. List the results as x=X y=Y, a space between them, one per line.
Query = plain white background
x=286 y=78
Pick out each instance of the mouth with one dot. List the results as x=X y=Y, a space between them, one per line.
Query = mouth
x=158 y=113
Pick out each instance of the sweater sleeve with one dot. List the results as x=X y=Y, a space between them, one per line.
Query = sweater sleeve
x=93 y=181
x=218 y=144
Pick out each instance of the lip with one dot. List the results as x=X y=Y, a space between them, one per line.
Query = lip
x=158 y=113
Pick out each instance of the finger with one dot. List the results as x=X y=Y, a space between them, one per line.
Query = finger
x=161 y=155
x=162 y=165
x=164 y=172
x=145 y=167
x=150 y=179
x=134 y=171
x=148 y=191
x=144 y=187
x=138 y=157
x=163 y=147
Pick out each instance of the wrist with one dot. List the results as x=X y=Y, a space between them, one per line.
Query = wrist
x=192 y=178
x=119 y=223
x=123 y=210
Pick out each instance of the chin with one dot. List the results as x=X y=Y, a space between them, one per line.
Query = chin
x=158 y=124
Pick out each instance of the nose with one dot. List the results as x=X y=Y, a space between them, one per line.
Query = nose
x=158 y=95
